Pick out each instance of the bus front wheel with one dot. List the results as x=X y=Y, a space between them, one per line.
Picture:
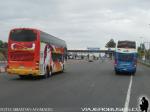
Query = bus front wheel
x=116 y=72
x=22 y=76
x=133 y=73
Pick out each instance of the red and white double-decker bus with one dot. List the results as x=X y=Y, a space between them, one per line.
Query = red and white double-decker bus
x=33 y=52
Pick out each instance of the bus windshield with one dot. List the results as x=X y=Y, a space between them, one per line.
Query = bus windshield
x=126 y=44
x=125 y=57
x=23 y=35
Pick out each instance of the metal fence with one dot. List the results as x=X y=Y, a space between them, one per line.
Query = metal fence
x=145 y=58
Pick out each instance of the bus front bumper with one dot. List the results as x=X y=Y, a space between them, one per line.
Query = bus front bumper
x=23 y=71
x=125 y=69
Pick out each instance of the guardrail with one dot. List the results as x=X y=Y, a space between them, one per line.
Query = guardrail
x=145 y=62
x=2 y=69
x=3 y=61
x=3 y=65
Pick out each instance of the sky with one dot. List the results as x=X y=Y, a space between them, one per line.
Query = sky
x=81 y=23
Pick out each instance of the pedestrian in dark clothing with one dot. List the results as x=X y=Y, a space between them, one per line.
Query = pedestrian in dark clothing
x=144 y=105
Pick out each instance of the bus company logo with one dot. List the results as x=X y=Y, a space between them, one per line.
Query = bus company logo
x=26 y=46
x=144 y=104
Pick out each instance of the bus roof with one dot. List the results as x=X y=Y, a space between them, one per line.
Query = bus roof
x=47 y=38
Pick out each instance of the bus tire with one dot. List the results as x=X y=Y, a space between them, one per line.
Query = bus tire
x=63 y=68
x=22 y=76
x=133 y=73
x=50 y=72
x=116 y=72
x=46 y=75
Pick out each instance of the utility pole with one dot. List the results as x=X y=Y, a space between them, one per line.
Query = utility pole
x=142 y=52
x=147 y=51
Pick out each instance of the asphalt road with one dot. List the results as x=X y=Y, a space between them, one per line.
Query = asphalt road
x=83 y=84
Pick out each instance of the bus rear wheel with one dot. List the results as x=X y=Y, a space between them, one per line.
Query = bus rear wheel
x=47 y=73
x=50 y=72
x=63 y=68
x=22 y=76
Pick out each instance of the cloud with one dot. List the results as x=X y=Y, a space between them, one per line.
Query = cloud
x=82 y=23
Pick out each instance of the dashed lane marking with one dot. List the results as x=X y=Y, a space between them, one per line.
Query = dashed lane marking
x=126 y=106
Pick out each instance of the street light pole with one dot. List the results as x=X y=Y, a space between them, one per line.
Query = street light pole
x=142 y=45
x=147 y=46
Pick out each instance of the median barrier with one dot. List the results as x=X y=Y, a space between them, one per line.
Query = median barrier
x=144 y=63
x=3 y=66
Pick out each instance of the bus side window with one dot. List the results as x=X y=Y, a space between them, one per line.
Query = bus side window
x=60 y=57
x=53 y=57
x=57 y=57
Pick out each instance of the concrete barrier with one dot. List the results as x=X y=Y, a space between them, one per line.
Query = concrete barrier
x=2 y=69
x=3 y=65
x=3 y=62
x=144 y=63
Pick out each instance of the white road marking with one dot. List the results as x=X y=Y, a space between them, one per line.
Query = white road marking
x=126 y=106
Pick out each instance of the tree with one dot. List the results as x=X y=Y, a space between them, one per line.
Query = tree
x=5 y=45
x=3 y=49
x=110 y=44
x=142 y=46
x=1 y=43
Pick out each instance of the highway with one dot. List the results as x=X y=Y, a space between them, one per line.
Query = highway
x=83 y=84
